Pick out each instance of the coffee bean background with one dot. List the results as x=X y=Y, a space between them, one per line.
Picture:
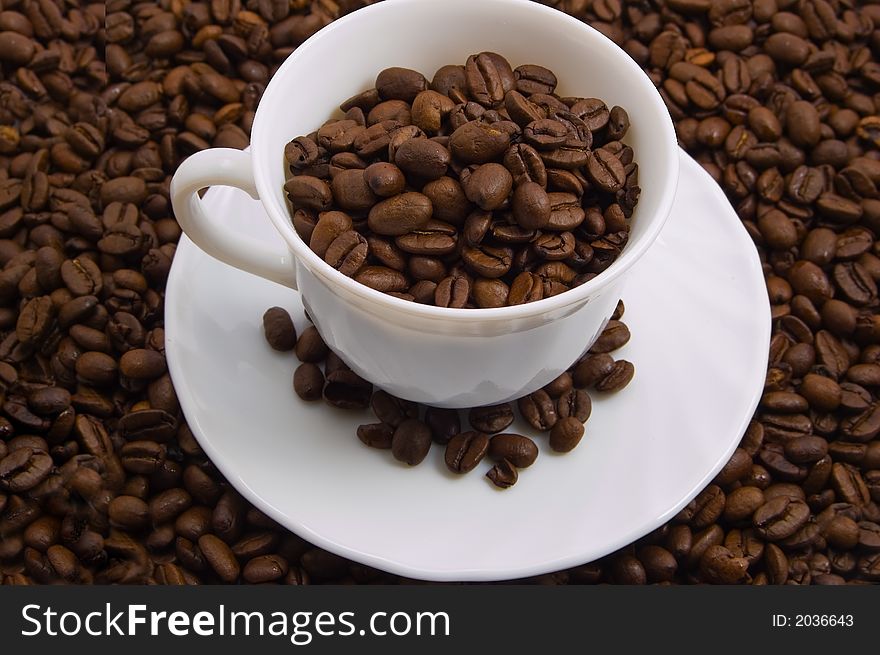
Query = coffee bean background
x=102 y=481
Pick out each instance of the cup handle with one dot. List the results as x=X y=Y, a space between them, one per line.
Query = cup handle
x=229 y=167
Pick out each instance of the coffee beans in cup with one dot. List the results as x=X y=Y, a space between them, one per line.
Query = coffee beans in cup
x=479 y=188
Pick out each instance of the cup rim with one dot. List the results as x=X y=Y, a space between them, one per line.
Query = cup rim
x=633 y=251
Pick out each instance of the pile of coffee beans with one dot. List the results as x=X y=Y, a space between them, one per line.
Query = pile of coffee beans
x=481 y=188
x=100 y=477
x=407 y=429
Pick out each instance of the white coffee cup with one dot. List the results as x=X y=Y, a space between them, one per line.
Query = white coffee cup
x=438 y=356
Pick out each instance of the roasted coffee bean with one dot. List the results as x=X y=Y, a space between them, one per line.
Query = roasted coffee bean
x=526 y=287
x=347 y=253
x=478 y=143
x=382 y=278
x=307 y=192
x=719 y=566
x=576 y=403
x=606 y=171
x=780 y=518
x=264 y=568
x=621 y=374
x=452 y=291
x=531 y=206
x=384 y=179
x=487 y=261
x=376 y=435
x=614 y=336
x=491 y=419
x=310 y=347
x=566 y=434
x=503 y=474
x=400 y=83
x=489 y=77
x=515 y=448
x=411 y=441
x=538 y=409
x=23 y=469
x=392 y=411
x=347 y=390
x=444 y=424
x=592 y=369
x=423 y=158
x=308 y=381
x=400 y=214
x=219 y=557
x=465 y=451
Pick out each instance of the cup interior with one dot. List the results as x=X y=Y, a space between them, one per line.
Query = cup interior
x=344 y=58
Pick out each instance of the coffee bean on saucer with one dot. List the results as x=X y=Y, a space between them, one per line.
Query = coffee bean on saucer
x=614 y=336
x=617 y=378
x=308 y=381
x=347 y=390
x=575 y=402
x=503 y=474
x=444 y=424
x=566 y=434
x=515 y=448
x=376 y=435
x=491 y=419
x=592 y=369
x=538 y=409
x=465 y=450
x=310 y=347
x=392 y=411
x=411 y=441
x=278 y=328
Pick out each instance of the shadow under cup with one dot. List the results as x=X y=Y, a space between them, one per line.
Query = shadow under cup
x=384 y=339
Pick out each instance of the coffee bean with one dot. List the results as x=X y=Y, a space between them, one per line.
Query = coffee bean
x=444 y=424
x=219 y=557
x=515 y=448
x=264 y=568
x=347 y=390
x=347 y=253
x=619 y=376
x=719 y=566
x=488 y=186
x=780 y=517
x=411 y=442
x=392 y=411
x=606 y=171
x=400 y=83
x=503 y=474
x=310 y=347
x=376 y=435
x=491 y=419
x=308 y=381
x=400 y=214
x=566 y=434
x=308 y=192
x=538 y=409
x=24 y=469
x=488 y=77
x=142 y=364
x=382 y=278
x=614 y=336
x=465 y=451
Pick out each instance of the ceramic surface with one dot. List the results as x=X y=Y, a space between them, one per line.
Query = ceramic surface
x=698 y=312
x=447 y=357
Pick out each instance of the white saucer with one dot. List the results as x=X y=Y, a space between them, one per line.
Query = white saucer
x=698 y=311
